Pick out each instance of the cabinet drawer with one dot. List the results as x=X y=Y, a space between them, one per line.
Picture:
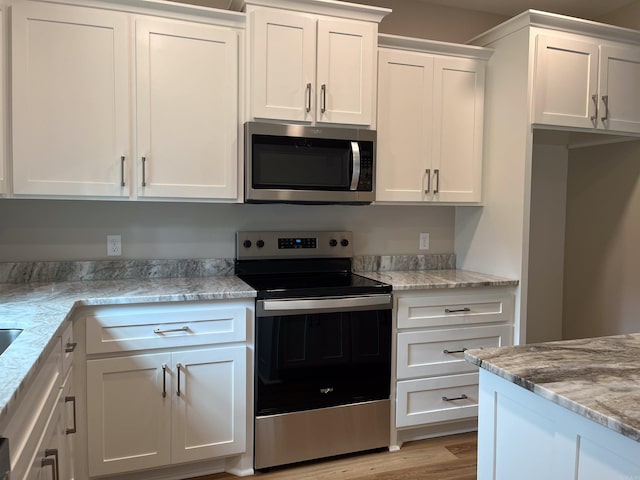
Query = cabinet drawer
x=458 y=309
x=440 y=352
x=163 y=327
x=437 y=399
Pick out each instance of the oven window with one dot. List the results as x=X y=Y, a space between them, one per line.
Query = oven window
x=300 y=163
x=321 y=360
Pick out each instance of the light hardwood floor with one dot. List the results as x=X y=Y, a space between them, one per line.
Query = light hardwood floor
x=444 y=458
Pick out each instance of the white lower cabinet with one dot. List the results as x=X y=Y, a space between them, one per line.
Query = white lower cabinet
x=158 y=409
x=41 y=429
x=166 y=385
x=436 y=389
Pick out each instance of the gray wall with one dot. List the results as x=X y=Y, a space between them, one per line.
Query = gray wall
x=602 y=252
x=76 y=230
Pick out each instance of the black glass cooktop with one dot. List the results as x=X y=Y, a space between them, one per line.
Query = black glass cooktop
x=298 y=285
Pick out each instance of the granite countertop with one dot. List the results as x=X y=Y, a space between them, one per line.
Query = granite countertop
x=428 y=279
x=598 y=378
x=41 y=309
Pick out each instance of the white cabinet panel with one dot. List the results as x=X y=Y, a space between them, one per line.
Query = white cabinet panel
x=69 y=100
x=586 y=84
x=458 y=108
x=430 y=127
x=436 y=399
x=187 y=112
x=441 y=352
x=208 y=418
x=436 y=389
x=310 y=69
x=3 y=103
x=457 y=309
x=619 y=80
x=566 y=82
x=346 y=69
x=139 y=329
x=284 y=65
x=404 y=125
x=129 y=418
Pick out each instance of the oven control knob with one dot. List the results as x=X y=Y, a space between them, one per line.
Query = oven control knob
x=344 y=242
x=333 y=242
x=260 y=243
x=246 y=244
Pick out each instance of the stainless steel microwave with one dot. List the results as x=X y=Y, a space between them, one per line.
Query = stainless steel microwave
x=305 y=164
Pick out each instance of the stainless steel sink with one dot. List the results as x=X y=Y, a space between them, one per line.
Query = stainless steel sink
x=7 y=336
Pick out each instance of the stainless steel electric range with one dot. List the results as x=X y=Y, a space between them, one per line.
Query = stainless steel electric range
x=323 y=347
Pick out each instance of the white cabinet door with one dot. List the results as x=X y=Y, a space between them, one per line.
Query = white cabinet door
x=3 y=185
x=51 y=454
x=283 y=58
x=405 y=95
x=458 y=109
x=209 y=419
x=69 y=100
x=187 y=114
x=619 y=81
x=346 y=71
x=566 y=82
x=68 y=428
x=129 y=419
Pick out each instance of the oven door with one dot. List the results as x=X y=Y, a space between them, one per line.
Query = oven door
x=322 y=352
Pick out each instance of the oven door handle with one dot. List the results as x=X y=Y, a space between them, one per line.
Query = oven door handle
x=298 y=306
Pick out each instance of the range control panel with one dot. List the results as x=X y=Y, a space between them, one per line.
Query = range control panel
x=260 y=245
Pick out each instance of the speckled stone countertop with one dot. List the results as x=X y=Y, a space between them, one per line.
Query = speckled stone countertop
x=428 y=279
x=598 y=378
x=41 y=309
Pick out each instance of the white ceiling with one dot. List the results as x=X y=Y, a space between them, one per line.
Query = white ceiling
x=591 y=9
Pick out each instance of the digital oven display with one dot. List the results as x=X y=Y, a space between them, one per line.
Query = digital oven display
x=310 y=242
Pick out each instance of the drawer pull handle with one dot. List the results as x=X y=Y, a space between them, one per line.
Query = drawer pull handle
x=457 y=310
x=178 y=367
x=164 y=380
x=70 y=347
x=56 y=462
x=49 y=462
x=455 y=351
x=168 y=330
x=461 y=397
x=68 y=399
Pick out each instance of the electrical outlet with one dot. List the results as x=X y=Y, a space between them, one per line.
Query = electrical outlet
x=424 y=241
x=114 y=246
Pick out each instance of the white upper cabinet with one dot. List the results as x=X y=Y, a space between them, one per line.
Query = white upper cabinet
x=430 y=124
x=283 y=65
x=70 y=100
x=309 y=66
x=3 y=185
x=458 y=109
x=581 y=82
x=405 y=119
x=346 y=71
x=619 y=84
x=187 y=113
x=81 y=74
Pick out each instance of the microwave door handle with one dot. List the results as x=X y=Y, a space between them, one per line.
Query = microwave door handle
x=355 y=156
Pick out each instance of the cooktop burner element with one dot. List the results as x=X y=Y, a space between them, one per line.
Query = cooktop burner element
x=301 y=264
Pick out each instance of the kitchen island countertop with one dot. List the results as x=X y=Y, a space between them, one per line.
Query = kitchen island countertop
x=597 y=378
